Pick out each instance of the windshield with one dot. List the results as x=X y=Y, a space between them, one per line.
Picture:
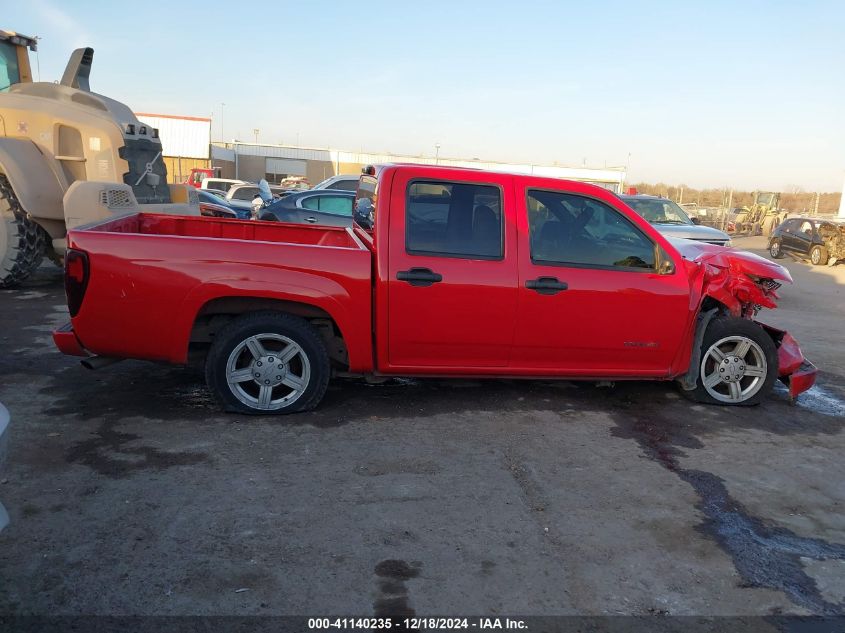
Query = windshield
x=658 y=210
x=9 y=71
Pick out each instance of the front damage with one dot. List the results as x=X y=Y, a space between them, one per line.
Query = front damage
x=741 y=283
x=833 y=236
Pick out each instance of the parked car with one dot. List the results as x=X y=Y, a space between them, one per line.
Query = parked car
x=211 y=204
x=295 y=183
x=671 y=220
x=325 y=207
x=221 y=184
x=821 y=240
x=241 y=196
x=344 y=182
x=464 y=273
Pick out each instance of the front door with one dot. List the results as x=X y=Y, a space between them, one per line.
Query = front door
x=591 y=301
x=452 y=273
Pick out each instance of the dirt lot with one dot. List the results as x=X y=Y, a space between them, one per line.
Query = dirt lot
x=130 y=493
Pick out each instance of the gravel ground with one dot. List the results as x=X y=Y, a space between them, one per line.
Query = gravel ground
x=130 y=493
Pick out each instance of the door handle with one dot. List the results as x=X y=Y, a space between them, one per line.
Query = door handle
x=419 y=276
x=312 y=220
x=546 y=285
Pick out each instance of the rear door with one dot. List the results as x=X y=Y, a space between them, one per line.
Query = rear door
x=591 y=299
x=452 y=271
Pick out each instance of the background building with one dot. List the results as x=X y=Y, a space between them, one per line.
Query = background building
x=251 y=162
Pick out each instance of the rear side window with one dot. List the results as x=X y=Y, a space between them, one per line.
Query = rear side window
x=346 y=185
x=245 y=193
x=573 y=230
x=335 y=205
x=454 y=220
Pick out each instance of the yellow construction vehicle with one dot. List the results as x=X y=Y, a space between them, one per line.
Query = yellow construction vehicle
x=69 y=156
x=762 y=217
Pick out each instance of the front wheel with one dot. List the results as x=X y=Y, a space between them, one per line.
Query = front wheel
x=775 y=249
x=818 y=255
x=268 y=363
x=738 y=365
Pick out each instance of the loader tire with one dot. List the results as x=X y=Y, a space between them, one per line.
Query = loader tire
x=22 y=242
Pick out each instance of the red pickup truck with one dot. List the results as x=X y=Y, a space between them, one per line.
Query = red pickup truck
x=446 y=272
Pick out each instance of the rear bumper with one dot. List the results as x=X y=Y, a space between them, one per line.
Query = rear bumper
x=65 y=339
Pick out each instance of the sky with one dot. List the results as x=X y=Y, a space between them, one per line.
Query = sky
x=740 y=94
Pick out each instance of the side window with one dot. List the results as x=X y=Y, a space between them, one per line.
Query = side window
x=577 y=231
x=346 y=185
x=454 y=220
x=806 y=228
x=336 y=205
x=311 y=202
x=245 y=193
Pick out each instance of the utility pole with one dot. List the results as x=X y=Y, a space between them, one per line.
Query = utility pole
x=437 y=153
x=222 y=135
x=255 y=131
x=842 y=203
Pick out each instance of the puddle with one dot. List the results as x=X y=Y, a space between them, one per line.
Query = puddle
x=818 y=400
x=764 y=555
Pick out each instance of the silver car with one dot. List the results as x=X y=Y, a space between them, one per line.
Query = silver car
x=671 y=220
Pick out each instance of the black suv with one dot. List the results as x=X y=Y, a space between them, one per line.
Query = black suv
x=801 y=236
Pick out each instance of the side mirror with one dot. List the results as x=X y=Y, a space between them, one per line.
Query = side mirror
x=695 y=220
x=665 y=265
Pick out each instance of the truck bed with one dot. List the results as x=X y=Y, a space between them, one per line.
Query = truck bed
x=151 y=276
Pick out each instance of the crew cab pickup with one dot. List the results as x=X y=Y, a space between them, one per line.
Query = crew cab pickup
x=446 y=272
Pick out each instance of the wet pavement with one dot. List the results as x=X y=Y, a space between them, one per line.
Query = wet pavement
x=131 y=493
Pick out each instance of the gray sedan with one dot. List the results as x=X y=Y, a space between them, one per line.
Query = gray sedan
x=671 y=220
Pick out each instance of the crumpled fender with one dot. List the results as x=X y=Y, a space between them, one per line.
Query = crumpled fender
x=729 y=275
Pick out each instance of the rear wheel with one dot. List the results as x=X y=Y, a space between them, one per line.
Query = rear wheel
x=775 y=249
x=818 y=255
x=738 y=366
x=268 y=363
x=21 y=240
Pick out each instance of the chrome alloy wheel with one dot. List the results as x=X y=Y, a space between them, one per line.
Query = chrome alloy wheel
x=733 y=369
x=774 y=249
x=268 y=371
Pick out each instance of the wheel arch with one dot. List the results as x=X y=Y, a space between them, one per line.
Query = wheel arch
x=217 y=312
x=26 y=168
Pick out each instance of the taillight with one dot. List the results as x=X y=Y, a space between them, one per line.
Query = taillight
x=76 y=279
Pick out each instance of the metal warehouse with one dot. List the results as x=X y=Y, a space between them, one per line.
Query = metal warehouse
x=186 y=143
x=251 y=161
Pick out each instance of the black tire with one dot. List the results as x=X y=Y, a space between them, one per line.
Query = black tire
x=727 y=327
x=268 y=217
x=776 y=249
x=22 y=242
x=818 y=255
x=769 y=225
x=267 y=324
